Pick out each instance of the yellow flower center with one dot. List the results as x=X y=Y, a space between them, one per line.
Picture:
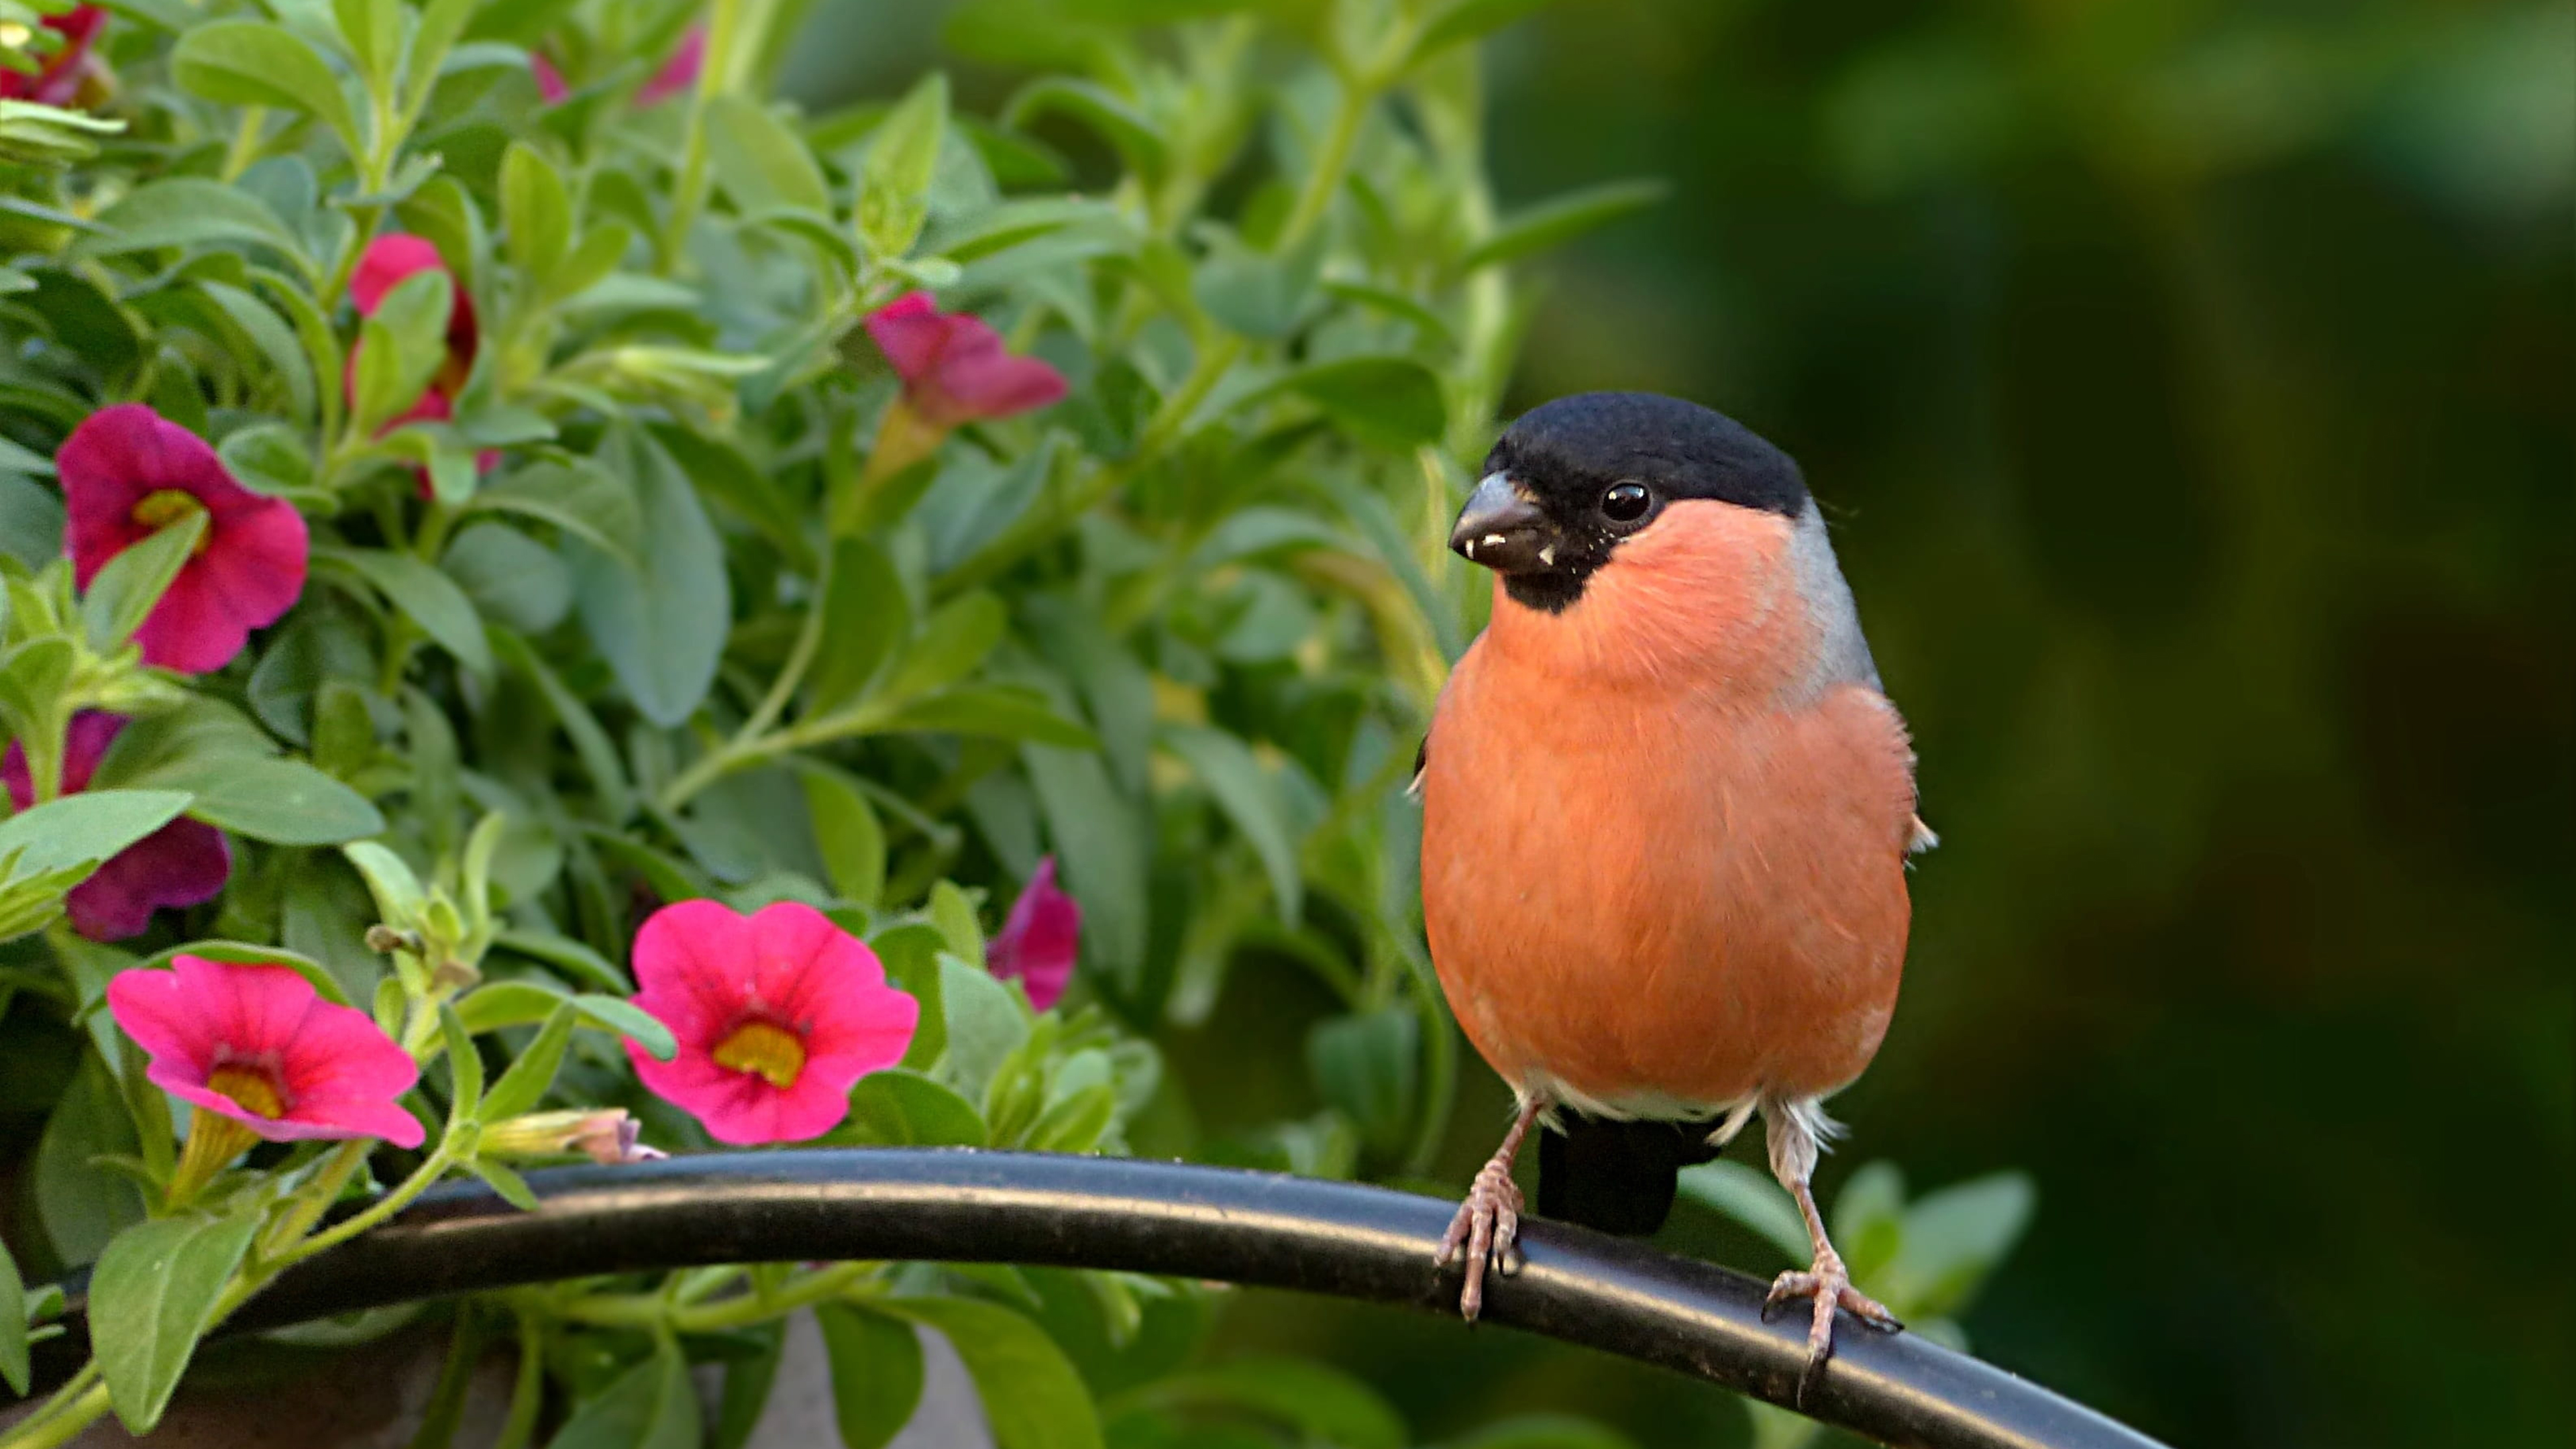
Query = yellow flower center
x=162 y=507
x=761 y=1049
x=250 y=1089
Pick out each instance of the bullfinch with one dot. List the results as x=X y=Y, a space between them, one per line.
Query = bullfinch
x=1666 y=814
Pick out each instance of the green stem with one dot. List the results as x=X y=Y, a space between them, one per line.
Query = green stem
x=689 y=195
x=61 y=1426
x=654 y=1310
x=60 y=1401
x=382 y=1208
x=527 y=1393
x=317 y=1197
x=246 y=139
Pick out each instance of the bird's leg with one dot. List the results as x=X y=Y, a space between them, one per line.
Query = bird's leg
x=1793 y=1160
x=1488 y=1223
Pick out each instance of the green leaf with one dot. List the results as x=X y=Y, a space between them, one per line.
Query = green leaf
x=528 y=1078
x=464 y=1065
x=1001 y=712
x=1095 y=106
x=1389 y=402
x=509 y=576
x=1323 y=1404
x=894 y=180
x=373 y=30
x=536 y=211
x=441 y=22
x=1102 y=842
x=253 y=63
x=121 y=596
x=911 y=953
x=81 y=1207
x=590 y=742
x=153 y=1296
x=1465 y=20
x=1250 y=798
x=848 y=835
x=899 y=1108
x=631 y=1021
x=1033 y=1397
x=661 y=628
x=188 y=211
x=1561 y=219
x=401 y=348
x=1954 y=1238
x=650 y=1406
x=1261 y=297
x=1368 y=1065
x=507 y=1183
x=399 y=897
x=83 y=830
x=275 y=338
x=1751 y=1198
x=865 y=616
x=876 y=1373
x=430 y=598
x=985 y=1021
x=284 y=802
x=31 y=520
x=13 y=1324
x=760 y=162
x=952 y=645
x=747 y=1382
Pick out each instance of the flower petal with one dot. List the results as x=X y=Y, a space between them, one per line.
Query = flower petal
x=910 y=332
x=550 y=82
x=184 y=863
x=250 y=1011
x=997 y=384
x=250 y=574
x=679 y=72
x=162 y=1016
x=1040 y=939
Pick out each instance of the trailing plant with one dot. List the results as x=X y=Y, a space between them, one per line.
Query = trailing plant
x=497 y=511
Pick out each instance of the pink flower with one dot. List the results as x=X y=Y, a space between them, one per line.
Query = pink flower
x=550 y=82
x=1039 y=939
x=390 y=259
x=953 y=367
x=183 y=863
x=127 y=472
x=58 y=82
x=777 y=1014
x=679 y=72
x=258 y=1045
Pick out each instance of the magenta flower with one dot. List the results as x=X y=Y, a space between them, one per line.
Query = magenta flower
x=256 y=1044
x=679 y=72
x=550 y=82
x=389 y=260
x=777 y=1014
x=183 y=863
x=1039 y=939
x=953 y=366
x=126 y=472
x=58 y=82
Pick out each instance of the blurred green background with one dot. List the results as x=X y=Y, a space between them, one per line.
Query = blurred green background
x=2190 y=385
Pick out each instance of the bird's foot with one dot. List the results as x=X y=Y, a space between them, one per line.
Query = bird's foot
x=1829 y=1284
x=1486 y=1231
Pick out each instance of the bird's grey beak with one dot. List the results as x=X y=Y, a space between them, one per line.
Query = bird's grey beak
x=1503 y=530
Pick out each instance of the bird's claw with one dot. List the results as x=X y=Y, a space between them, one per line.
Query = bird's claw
x=1830 y=1285
x=1485 y=1232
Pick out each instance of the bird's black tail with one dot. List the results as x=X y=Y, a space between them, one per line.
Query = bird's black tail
x=1619 y=1177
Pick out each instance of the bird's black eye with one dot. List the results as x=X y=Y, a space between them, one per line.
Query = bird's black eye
x=1626 y=502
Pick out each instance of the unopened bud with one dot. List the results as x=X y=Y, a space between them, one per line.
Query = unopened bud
x=604 y=1134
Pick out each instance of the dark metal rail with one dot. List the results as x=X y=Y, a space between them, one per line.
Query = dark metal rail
x=958 y=1205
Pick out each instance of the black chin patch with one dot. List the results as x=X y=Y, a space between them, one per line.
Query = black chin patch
x=1552 y=591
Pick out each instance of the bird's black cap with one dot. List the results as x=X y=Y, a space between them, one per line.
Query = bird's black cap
x=1567 y=456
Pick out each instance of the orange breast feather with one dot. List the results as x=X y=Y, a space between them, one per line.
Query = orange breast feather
x=1654 y=873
